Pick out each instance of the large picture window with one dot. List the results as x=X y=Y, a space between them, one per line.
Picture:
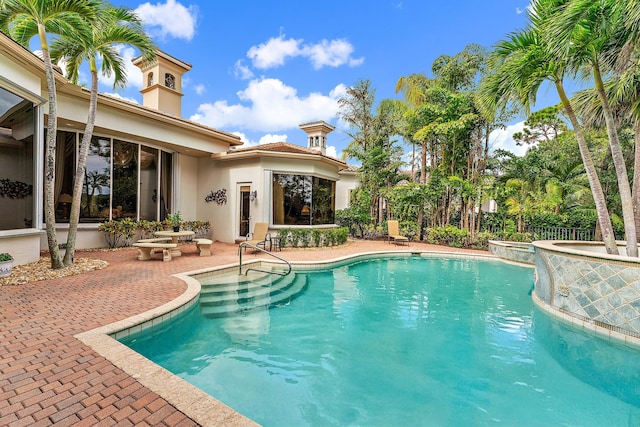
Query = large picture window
x=17 y=125
x=303 y=200
x=97 y=179
x=122 y=179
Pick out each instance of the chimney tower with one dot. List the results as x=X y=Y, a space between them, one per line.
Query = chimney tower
x=162 y=83
x=317 y=135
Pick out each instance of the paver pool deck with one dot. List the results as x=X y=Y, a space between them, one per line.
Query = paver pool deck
x=48 y=377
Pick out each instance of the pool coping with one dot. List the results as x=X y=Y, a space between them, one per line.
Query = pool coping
x=201 y=407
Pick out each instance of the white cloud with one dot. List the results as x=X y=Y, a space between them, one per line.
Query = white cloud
x=529 y=9
x=503 y=139
x=269 y=138
x=200 y=89
x=277 y=50
x=170 y=19
x=246 y=142
x=274 y=52
x=331 y=151
x=332 y=53
x=268 y=105
x=241 y=71
x=133 y=73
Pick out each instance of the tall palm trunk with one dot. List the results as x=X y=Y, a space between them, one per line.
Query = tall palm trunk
x=50 y=156
x=596 y=188
x=74 y=216
x=621 y=169
x=635 y=194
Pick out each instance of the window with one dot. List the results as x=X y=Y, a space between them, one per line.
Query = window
x=150 y=79
x=125 y=179
x=169 y=81
x=97 y=179
x=17 y=126
x=122 y=180
x=303 y=200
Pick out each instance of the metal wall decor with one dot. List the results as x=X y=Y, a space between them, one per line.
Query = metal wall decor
x=219 y=196
x=15 y=189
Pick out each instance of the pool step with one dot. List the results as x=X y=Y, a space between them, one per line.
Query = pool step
x=234 y=284
x=249 y=296
x=243 y=288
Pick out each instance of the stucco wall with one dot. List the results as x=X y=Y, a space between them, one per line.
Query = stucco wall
x=186 y=189
x=348 y=181
x=17 y=75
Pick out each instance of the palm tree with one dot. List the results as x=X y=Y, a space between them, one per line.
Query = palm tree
x=22 y=20
x=586 y=30
x=520 y=64
x=115 y=25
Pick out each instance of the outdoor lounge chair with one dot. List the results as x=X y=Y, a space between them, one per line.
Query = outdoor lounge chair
x=394 y=233
x=260 y=236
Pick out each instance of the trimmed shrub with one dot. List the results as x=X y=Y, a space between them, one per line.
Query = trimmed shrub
x=316 y=237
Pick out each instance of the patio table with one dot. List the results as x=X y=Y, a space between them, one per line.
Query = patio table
x=175 y=235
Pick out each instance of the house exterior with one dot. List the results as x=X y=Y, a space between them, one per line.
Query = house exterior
x=146 y=161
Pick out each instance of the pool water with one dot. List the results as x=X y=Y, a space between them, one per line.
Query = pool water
x=404 y=341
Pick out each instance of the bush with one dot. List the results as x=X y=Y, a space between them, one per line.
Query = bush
x=449 y=235
x=410 y=229
x=118 y=233
x=147 y=228
x=201 y=228
x=357 y=222
x=316 y=237
x=481 y=240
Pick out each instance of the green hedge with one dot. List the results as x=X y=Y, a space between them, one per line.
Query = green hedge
x=453 y=236
x=312 y=237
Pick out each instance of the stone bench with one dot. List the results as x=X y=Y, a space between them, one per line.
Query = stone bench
x=155 y=240
x=203 y=246
x=145 y=248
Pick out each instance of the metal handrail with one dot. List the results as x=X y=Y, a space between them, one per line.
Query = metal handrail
x=257 y=248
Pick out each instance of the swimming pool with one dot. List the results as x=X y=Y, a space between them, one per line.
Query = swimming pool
x=404 y=340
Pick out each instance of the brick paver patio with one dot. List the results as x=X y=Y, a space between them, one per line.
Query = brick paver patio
x=48 y=377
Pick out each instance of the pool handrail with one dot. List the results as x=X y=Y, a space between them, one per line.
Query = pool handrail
x=254 y=247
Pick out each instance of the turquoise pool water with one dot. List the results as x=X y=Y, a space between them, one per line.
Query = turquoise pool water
x=404 y=341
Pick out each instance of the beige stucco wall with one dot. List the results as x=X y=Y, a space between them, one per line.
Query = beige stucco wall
x=23 y=245
x=186 y=187
x=16 y=75
x=348 y=181
x=214 y=176
x=255 y=172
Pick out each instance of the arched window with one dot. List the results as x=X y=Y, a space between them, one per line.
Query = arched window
x=169 y=81
x=150 y=80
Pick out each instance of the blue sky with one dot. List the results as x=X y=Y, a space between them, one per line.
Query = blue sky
x=262 y=68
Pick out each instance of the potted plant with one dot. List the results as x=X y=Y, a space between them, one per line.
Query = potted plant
x=175 y=220
x=6 y=264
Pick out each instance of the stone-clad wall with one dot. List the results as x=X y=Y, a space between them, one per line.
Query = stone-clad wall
x=589 y=285
x=513 y=251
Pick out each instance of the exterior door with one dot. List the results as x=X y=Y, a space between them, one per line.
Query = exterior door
x=245 y=210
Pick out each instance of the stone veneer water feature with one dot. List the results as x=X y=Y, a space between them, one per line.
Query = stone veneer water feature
x=581 y=280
